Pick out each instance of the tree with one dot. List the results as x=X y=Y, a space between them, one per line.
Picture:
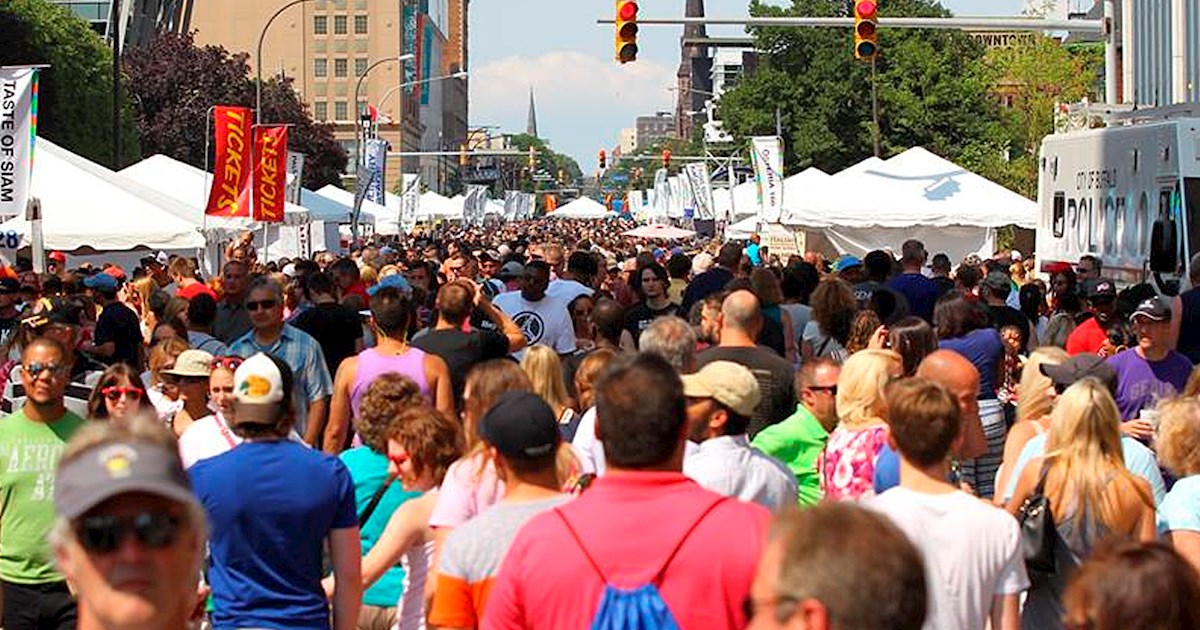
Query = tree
x=75 y=92
x=547 y=159
x=174 y=83
x=932 y=90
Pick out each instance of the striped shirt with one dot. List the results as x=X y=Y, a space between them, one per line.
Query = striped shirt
x=303 y=354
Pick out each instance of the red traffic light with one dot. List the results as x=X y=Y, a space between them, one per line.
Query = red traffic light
x=865 y=9
x=627 y=11
x=666 y=158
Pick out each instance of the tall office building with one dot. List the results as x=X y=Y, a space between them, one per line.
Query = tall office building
x=142 y=19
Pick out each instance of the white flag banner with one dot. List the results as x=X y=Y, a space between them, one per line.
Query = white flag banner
x=661 y=197
x=295 y=175
x=474 y=204
x=701 y=181
x=768 y=174
x=410 y=201
x=678 y=197
x=18 y=130
x=635 y=203
x=511 y=198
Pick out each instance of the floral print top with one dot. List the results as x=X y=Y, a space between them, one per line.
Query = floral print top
x=847 y=466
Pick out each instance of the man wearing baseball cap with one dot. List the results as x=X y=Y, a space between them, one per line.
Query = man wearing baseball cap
x=129 y=534
x=1092 y=335
x=118 y=335
x=721 y=399
x=1149 y=371
x=520 y=432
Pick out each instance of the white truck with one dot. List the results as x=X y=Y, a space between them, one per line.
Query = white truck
x=1128 y=193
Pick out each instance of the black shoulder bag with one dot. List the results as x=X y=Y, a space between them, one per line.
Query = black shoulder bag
x=1038 y=534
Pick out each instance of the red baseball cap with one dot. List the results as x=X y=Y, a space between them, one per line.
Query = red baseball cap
x=58 y=257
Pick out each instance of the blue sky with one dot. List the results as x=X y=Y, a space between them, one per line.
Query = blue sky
x=584 y=98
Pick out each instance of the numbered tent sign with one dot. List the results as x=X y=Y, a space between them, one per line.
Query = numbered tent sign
x=10 y=242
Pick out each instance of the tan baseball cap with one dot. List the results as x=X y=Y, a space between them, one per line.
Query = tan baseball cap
x=197 y=363
x=726 y=382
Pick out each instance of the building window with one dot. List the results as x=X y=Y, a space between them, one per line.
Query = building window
x=360 y=66
x=320 y=24
x=339 y=111
x=360 y=25
x=321 y=110
x=339 y=25
x=339 y=67
x=320 y=67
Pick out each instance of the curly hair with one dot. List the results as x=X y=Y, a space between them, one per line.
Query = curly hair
x=1178 y=439
x=388 y=396
x=432 y=440
x=833 y=308
x=865 y=323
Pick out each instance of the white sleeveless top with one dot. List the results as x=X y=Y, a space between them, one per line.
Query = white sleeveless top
x=410 y=611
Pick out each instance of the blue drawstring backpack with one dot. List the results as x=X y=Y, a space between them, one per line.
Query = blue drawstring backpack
x=640 y=608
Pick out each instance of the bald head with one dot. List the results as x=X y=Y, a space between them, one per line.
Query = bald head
x=950 y=370
x=609 y=318
x=741 y=311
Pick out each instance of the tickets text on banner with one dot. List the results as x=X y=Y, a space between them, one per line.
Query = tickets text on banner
x=270 y=168
x=18 y=129
x=768 y=174
x=230 y=192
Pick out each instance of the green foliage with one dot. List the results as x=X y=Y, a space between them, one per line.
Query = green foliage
x=547 y=160
x=75 y=92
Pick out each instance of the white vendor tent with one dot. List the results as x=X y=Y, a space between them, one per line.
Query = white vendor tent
x=87 y=206
x=581 y=208
x=371 y=212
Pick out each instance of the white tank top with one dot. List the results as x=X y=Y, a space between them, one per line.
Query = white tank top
x=410 y=613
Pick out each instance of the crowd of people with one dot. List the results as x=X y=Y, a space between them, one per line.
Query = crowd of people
x=548 y=425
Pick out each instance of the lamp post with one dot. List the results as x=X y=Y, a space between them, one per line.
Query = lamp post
x=388 y=94
x=360 y=137
x=258 y=60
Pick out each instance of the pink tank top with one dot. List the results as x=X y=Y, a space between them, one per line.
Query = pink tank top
x=372 y=365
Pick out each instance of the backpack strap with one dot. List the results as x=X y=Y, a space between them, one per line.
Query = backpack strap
x=579 y=543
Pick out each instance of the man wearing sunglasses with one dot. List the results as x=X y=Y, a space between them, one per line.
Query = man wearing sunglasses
x=130 y=534
x=31 y=441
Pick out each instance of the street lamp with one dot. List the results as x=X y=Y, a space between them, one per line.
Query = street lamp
x=359 y=137
x=258 y=61
x=388 y=94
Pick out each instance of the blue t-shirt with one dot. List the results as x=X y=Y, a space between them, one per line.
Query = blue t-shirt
x=369 y=471
x=921 y=293
x=984 y=348
x=270 y=507
x=1138 y=459
x=1141 y=383
x=1181 y=509
x=887 y=469
x=754 y=254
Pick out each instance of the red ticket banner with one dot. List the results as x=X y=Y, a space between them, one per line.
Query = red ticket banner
x=230 y=192
x=270 y=172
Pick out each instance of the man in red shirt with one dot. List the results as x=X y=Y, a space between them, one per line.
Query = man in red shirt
x=1091 y=336
x=622 y=530
x=183 y=274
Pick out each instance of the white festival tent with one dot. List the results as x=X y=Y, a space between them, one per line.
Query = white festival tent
x=370 y=213
x=581 y=208
x=879 y=204
x=433 y=206
x=88 y=209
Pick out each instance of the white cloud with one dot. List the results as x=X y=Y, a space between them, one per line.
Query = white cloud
x=582 y=101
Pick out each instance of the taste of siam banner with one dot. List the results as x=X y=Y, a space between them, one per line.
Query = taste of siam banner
x=18 y=130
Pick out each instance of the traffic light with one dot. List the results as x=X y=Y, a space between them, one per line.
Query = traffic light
x=462 y=155
x=627 y=29
x=603 y=159
x=866 y=38
x=666 y=158
x=532 y=159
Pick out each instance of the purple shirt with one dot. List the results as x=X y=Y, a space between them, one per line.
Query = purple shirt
x=1141 y=383
x=921 y=293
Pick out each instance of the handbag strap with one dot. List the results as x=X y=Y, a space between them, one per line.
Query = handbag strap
x=374 y=502
x=1041 y=484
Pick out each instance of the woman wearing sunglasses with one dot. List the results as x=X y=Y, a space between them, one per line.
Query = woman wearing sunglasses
x=210 y=436
x=118 y=395
x=190 y=376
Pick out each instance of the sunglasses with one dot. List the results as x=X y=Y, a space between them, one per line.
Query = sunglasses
x=35 y=369
x=832 y=389
x=103 y=534
x=114 y=393
x=230 y=363
x=261 y=305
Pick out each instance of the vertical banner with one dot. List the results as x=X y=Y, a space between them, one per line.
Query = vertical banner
x=660 y=198
x=511 y=204
x=677 y=198
x=270 y=172
x=474 y=204
x=18 y=130
x=230 y=192
x=295 y=176
x=375 y=154
x=699 y=178
x=635 y=208
x=410 y=201
x=768 y=174
x=528 y=204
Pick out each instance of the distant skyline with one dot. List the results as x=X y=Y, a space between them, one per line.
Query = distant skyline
x=584 y=98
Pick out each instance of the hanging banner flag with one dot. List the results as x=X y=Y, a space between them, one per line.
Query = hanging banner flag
x=511 y=204
x=677 y=197
x=702 y=194
x=375 y=156
x=270 y=171
x=410 y=201
x=635 y=209
x=295 y=176
x=660 y=198
x=18 y=130
x=768 y=174
x=527 y=206
x=230 y=192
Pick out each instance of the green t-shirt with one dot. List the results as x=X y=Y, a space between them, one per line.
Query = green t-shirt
x=797 y=442
x=29 y=454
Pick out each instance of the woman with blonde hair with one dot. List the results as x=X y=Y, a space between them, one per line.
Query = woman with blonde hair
x=847 y=466
x=1092 y=496
x=1178 y=444
x=1035 y=399
x=545 y=371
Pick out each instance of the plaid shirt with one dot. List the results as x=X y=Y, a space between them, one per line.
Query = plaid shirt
x=303 y=354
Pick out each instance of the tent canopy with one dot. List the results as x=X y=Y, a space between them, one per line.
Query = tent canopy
x=660 y=230
x=581 y=208
x=85 y=205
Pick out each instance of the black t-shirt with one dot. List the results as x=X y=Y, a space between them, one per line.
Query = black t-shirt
x=120 y=325
x=1008 y=316
x=335 y=327
x=639 y=317
x=462 y=351
x=774 y=376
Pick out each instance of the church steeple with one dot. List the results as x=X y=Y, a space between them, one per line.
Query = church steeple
x=531 y=120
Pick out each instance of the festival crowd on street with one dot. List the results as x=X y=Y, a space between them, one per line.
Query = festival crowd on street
x=547 y=425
